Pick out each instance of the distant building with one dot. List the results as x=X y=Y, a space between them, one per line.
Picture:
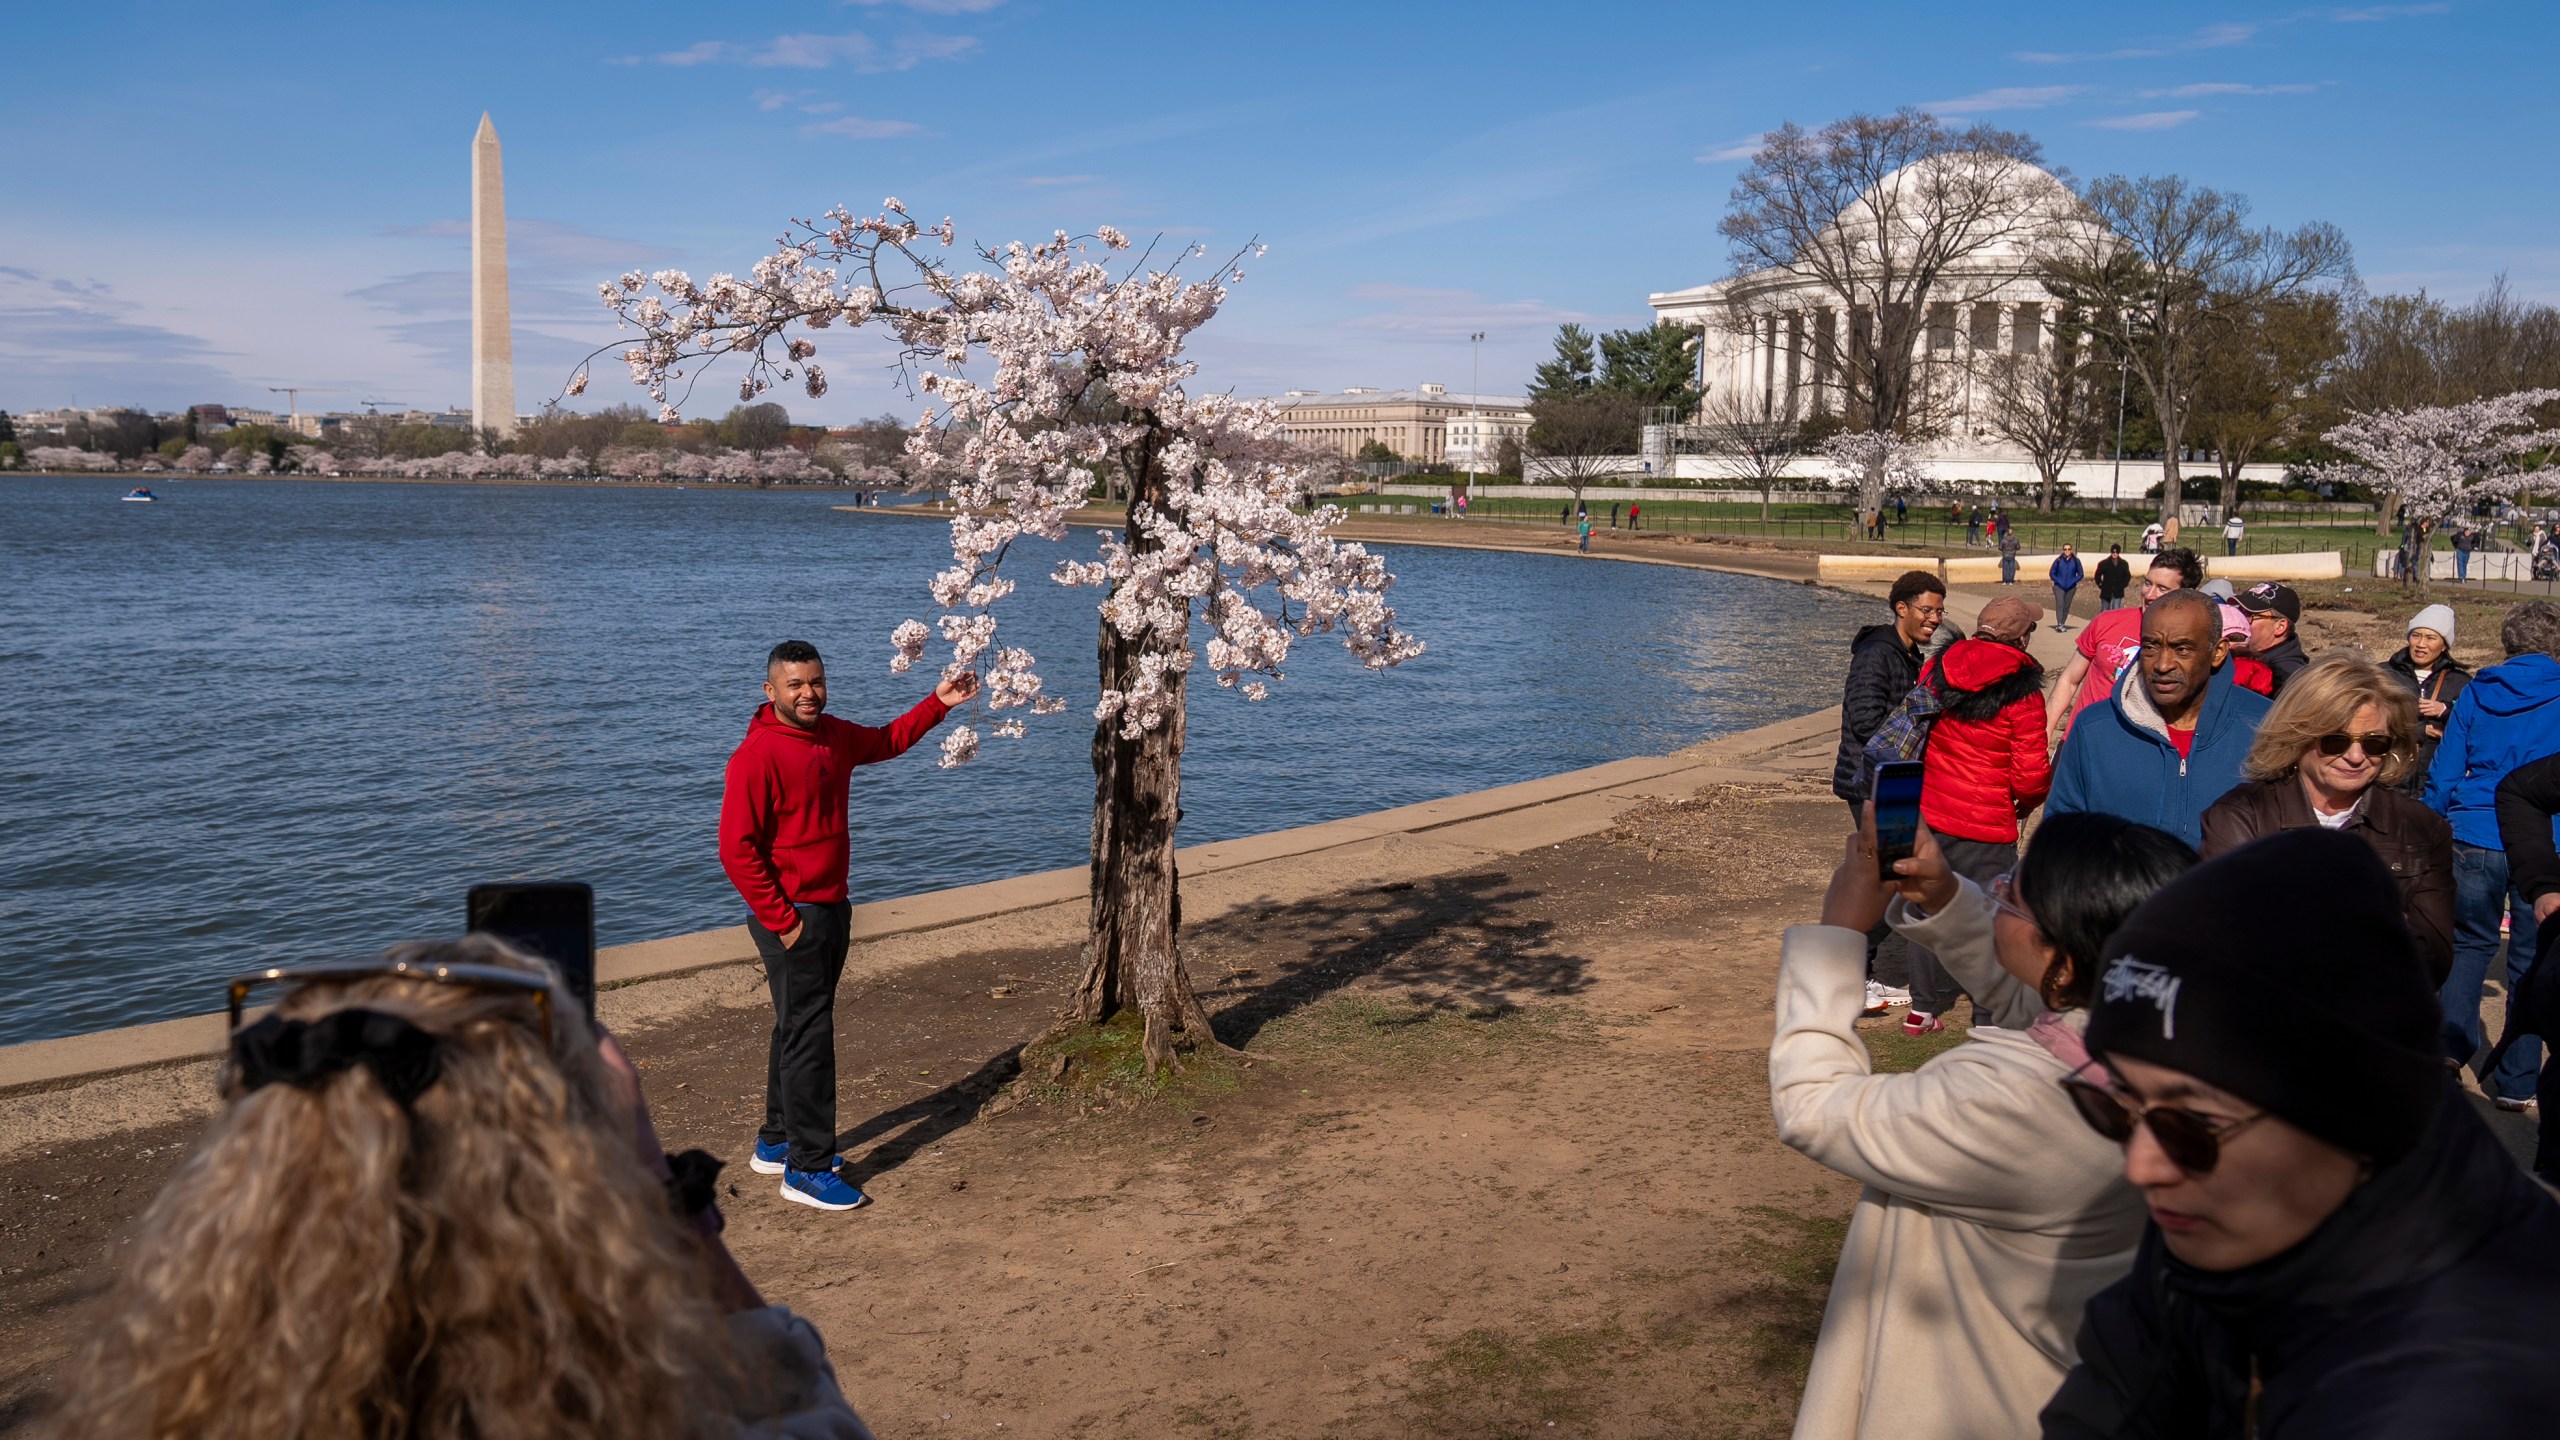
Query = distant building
x=1413 y=423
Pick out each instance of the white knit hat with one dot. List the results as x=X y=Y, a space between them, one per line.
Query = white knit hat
x=2438 y=618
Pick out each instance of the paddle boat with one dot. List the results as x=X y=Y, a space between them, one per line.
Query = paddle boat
x=141 y=493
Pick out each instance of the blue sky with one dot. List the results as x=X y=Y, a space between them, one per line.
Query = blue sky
x=210 y=199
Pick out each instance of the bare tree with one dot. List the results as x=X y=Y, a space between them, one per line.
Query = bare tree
x=1897 y=220
x=1577 y=439
x=2045 y=401
x=2167 y=269
x=1751 y=442
x=2258 y=385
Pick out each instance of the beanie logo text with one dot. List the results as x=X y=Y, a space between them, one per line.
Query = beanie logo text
x=2134 y=979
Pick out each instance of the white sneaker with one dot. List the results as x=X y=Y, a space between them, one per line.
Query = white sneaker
x=2529 y=1105
x=1882 y=997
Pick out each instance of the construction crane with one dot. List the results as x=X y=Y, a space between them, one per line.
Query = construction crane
x=293 y=402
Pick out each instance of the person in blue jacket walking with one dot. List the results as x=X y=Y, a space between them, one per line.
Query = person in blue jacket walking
x=2172 y=738
x=2515 y=718
x=2065 y=575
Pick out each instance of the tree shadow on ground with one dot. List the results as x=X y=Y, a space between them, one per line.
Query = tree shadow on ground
x=1454 y=943
x=1449 y=943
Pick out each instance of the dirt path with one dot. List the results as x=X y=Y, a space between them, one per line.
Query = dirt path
x=1502 y=1158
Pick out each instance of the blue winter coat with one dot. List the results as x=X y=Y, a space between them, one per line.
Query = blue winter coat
x=2119 y=761
x=2507 y=715
x=2066 y=572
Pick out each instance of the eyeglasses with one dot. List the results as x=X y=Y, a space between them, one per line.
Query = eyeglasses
x=2375 y=746
x=2192 y=1142
x=480 y=977
x=2004 y=896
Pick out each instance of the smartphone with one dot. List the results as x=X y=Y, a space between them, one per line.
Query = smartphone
x=1897 y=792
x=554 y=919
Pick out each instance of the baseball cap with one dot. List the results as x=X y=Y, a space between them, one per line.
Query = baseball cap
x=2267 y=595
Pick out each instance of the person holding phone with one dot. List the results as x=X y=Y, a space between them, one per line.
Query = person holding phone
x=1991 y=1213
x=785 y=845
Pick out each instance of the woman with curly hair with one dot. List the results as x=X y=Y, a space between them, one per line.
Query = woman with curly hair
x=2331 y=753
x=433 y=1205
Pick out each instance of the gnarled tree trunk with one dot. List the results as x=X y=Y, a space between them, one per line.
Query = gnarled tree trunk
x=1133 y=950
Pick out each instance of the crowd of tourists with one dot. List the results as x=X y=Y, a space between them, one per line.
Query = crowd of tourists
x=2207 y=1165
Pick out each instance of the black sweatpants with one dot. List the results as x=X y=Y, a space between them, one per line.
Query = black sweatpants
x=800 y=1063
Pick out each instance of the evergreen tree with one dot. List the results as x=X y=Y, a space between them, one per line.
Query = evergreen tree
x=1652 y=366
x=1570 y=373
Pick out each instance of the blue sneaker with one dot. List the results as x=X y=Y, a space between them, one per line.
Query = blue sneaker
x=770 y=1159
x=821 y=1190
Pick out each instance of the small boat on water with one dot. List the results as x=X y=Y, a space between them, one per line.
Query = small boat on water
x=141 y=493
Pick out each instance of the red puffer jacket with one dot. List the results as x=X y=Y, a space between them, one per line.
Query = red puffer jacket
x=1986 y=758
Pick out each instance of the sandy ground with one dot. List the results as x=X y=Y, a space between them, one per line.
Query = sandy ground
x=1502 y=1157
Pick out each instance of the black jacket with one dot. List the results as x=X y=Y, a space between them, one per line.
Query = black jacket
x=2429 y=1305
x=2113 y=575
x=2284 y=659
x=2413 y=840
x=1882 y=670
x=2445 y=683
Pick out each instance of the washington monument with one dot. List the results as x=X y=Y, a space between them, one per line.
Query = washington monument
x=493 y=355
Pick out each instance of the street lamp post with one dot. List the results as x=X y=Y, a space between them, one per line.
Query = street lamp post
x=1475 y=431
x=2117 y=483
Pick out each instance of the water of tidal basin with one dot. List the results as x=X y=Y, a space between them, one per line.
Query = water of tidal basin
x=267 y=721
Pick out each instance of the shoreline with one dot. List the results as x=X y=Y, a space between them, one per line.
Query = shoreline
x=68 y=1063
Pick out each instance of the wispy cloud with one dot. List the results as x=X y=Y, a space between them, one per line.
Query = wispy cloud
x=855 y=127
x=2148 y=120
x=2007 y=97
x=816 y=52
x=934 y=7
x=1742 y=149
x=2229 y=33
x=2224 y=87
x=1039 y=182
x=2211 y=37
x=2368 y=14
x=83 y=337
x=1419 y=313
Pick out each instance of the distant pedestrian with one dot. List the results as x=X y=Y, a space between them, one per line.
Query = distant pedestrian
x=2173 y=737
x=1613 y=514
x=2065 y=574
x=2151 y=541
x=2114 y=576
x=2008 y=558
x=786 y=847
x=2426 y=665
x=1586 y=532
x=2461 y=554
x=2508 y=715
x=2234 y=530
x=1901 y=513
x=1635 y=516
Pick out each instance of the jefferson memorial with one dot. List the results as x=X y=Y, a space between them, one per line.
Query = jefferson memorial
x=1770 y=341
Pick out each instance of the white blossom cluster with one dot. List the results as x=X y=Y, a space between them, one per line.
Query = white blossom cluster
x=2437 y=458
x=1877 y=462
x=1042 y=372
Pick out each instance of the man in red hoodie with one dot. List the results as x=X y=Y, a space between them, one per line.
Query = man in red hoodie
x=784 y=843
x=1986 y=769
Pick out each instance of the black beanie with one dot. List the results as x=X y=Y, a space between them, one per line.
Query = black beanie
x=2283 y=972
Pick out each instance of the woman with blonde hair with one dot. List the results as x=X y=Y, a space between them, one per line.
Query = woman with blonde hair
x=433 y=1205
x=2342 y=734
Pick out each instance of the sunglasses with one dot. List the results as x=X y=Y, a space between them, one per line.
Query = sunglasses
x=478 y=977
x=2192 y=1142
x=2004 y=896
x=2375 y=746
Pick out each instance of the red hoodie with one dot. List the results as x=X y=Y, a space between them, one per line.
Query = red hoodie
x=1986 y=758
x=782 y=826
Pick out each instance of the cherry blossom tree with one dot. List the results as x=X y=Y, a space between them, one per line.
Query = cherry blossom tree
x=1043 y=366
x=2435 y=458
x=1878 y=462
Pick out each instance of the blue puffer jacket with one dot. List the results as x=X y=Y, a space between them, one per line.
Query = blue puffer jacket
x=2119 y=761
x=2066 y=572
x=2507 y=715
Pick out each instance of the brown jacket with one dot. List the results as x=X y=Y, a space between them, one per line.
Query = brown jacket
x=2413 y=840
